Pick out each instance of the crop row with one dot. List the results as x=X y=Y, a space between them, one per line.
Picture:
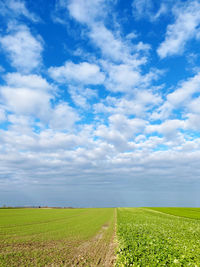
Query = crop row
x=49 y=237
x=150 y=238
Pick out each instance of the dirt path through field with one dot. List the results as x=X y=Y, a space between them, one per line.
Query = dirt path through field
x=98 y=251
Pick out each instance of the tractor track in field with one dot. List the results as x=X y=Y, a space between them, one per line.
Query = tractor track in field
x=98 y=251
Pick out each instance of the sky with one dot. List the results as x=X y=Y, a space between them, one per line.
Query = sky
x=100 y=103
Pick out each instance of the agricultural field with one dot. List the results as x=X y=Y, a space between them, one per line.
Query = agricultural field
x=158 y=237
x=193 y=213
x=100 y=237
x=56 y=237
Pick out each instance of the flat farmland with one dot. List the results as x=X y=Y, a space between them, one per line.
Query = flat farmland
x=56 y=237
x=158 y=237
x=100 y=237
x=193 y=213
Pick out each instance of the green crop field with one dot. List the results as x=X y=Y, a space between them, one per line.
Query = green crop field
x=193 y=213
x=100 y=237
x=148 y=237
x=42 y=237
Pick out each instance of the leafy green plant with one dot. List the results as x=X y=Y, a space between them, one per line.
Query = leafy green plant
x=150 y=238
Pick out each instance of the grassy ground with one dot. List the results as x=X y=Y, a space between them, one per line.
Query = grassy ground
x=193 y=213
x=151 y=238
x=42 y=237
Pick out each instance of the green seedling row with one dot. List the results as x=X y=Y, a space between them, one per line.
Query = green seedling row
x=41 y=237
x=149 y=237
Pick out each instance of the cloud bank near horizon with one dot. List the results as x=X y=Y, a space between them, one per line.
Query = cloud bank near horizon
x=100 y=103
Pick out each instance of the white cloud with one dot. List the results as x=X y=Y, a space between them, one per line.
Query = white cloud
x=168 y=128
x=112 y=137
x=145 y=8
x=129 y=127
x=16 y=8
x=181 y=97
x=194 y=105
x=25 y=100
x=112 y=46
x=52 y=140
x=23 y=49
x=192 y=122
x=122 y=78
x=32 y=81
x=63 y=117
x=84 y=72
x=48 y=141
x=78 y=99
x=185 y=91
x=27 y=95
x=120 y=131
x=185 y=27
x=82 y=96
x=131 y=35
x=162 y=11
x=21 y=127
x=125 y=78
x=139 y=103
x=2 y=115
x=29 y=98
x=142 y=7
x=86 y=11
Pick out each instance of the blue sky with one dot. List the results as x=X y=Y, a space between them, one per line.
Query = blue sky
x=100 y=103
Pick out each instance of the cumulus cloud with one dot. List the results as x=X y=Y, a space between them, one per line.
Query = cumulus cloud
x=63 y=117
x=23 y=49
x=185 y=27
x=104 y=121
x=180 y=97
x=2 y=115
x=26 y=95
x=194 y=105
x=138 y=104
x=84 y=72
x=120 y=131
x=101 y=159
x=127 y=126
x=24 y=100
x=185 y=91
x=31 y=81
x=82 y=96
x=168 y=128
x=124 y=77
x=87 y=11
x=31 y=95
x=112 y=46
x=122 y=59
x=192 y=121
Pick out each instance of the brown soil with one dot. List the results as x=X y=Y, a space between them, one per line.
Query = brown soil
x=98 y=251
